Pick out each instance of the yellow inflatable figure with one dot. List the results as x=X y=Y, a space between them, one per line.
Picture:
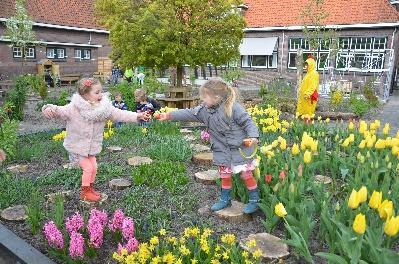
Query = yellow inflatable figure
x=308 y=91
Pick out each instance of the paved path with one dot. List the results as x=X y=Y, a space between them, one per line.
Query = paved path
x=390 y=113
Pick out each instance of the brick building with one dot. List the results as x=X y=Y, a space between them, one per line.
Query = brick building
x=367 y=33
x=68 y=35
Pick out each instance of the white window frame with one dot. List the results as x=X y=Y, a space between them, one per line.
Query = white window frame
x=78 y=54
x=85 y=53
x=30 y=53
x=50 y=53
x=295 y=43
x=17 y=52
x=59 y=54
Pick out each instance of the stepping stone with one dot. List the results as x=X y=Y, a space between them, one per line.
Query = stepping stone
x=137 y=161
x=114 y=148
x=19 y=168
x=199 y=147
x=71 y=165
x=234 y=214
x=65 y=194
x=89 y=205
x=119 y=184
x=205 y=211
x=15 y=213
x=271 y=246
x=207 y=177
x=203 y=158
x=189 y=138
x=323 y=179
x=185 y=131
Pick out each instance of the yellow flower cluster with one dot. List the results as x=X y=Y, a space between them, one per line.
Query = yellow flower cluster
x=165 y=110
x=110 y=131
x=60 y=136
x=189 y=248
x=268 y=119
x=309 y=145
x=384 y=207
x=348 y=140
x=267 y=149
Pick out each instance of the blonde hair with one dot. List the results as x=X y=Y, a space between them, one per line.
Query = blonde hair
x=140 y=94
x=85 y=85
x=218 y=88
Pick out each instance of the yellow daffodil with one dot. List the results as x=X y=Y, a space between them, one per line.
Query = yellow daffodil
x=307 y=157
x=279 y=210
x=353 y=201
x=144 y=130
x=391 y=226
x=375 y=200
x=351 y=126
x=257 y=253
x=251 y=243
x=295 y=149
x=359 y=224
x=362 y=194
x=162 y=232
x=386 y=209
x=362 y=144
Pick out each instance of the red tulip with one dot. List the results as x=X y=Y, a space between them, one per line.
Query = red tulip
x=282 y=175
x=268 y=178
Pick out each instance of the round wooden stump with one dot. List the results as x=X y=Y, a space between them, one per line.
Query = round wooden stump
x=323 y=179
x=119 y=184
x=199 y=147
x=204 y=211
x=71 y=165
x=114 y=148
x=189 y=138
x=203 y=158
x=137 y=161
x=65 y=194
x=207 y=177
x=234 y=214
x=185 y=131
x=19 y=168
x=15 y=213
x=87 y=204
x=271 y=246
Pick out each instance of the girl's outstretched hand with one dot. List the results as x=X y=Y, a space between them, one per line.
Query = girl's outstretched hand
x=49 y=112
x=144 y=116
x=250 y=141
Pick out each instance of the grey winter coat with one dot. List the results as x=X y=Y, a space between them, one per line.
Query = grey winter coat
x=226 y=134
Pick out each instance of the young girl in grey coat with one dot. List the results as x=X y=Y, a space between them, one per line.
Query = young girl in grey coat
x=229 y=126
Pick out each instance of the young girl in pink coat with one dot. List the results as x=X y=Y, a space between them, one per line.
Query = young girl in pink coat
x=86 y=115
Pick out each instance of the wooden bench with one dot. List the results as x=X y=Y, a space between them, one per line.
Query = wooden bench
x=4 y=86
x=69 y=79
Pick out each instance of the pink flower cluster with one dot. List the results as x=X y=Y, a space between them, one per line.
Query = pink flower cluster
x=53 y=235
x=95 y=227
x=126 y=225
x=74 y=223
x=205 y=136
x=117 y=220
x=76 y=245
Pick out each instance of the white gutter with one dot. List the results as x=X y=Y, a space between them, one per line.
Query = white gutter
x=59 y=43
x=39 y=24
x=367 y=26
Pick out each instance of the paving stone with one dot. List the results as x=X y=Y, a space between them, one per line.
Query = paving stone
x=15 y=213
x=19 y=168
x=323 y=179
x=137 y=161
x=203 y=158
x=89 y=205
x=119 y=184
x=65 y=194
x=71 y=165
x=207 y=177
x=114 y=148
x=271 y=246
x=185 y=131
x=234 y=213
x=199 y=147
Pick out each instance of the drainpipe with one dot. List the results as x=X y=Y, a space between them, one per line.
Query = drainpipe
x=282 y=53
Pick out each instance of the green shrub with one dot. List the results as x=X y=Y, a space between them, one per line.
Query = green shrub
x=14 y=190
x=127 y=91
x=17 y=96
x=8 y=135
x=172 y=148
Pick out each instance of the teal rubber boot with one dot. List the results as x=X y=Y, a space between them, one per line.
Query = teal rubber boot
x=252 y=205
x=224 y=201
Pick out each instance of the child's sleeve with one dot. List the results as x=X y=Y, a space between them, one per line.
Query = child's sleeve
x=155 y=104
x=189 y=115
x=62 y=112
x=244 y=120
x=124 y=106
x=119 y=115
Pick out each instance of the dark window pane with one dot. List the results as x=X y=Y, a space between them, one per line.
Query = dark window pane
x=259 y=60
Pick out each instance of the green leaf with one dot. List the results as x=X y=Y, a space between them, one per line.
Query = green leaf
x=333 y=258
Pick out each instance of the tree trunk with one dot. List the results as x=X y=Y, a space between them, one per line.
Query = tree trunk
x=23 y=60
x=179 y=76
x=299 y=70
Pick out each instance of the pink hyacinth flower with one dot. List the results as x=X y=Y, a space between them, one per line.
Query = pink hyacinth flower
x=74 y=223
x=100 y=215
x=131 y=246
x=96 y=232
x=76 y=246
x=53 y=235
x=128 y=228
x=205 y=135
x=117 y=220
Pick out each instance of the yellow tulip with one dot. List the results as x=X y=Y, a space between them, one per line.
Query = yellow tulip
x=391 y=226
x=279 y=210
x=327 y=120
x=359 y=224
x=351 y=126
x=375 y=200
x=380 y=144
x=295 y=149
x=353 y=201
x=346 y=142
x=313 y=145
x=362 y=194
x=395 y=150
x=283 y=144
x=385 y=130
x=386 y=209
x=307 y=156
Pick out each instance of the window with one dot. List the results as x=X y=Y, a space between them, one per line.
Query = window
x=83 y=54
x=321 y=53
x=361 y=53
x=259 y=61
x=56 y=53
x=30 y=52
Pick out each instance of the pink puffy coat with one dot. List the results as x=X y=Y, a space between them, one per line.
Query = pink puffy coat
x=85 y=123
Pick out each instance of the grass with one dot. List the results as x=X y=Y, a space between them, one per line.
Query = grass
x=14 y=190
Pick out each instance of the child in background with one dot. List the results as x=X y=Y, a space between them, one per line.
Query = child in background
x=120 y=104
x=145 y=103
x=229 y=126
x=86 y=116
